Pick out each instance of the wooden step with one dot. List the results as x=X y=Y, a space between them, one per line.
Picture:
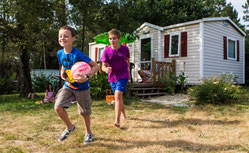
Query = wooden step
x=147 y=89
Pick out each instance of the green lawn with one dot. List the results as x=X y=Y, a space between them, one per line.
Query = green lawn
x=29 y=127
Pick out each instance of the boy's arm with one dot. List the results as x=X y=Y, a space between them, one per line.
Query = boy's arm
x=94 y=69
x=105 y=68
x=128 y=62
x=62 y=73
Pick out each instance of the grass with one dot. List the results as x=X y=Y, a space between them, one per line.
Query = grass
x=29 y=127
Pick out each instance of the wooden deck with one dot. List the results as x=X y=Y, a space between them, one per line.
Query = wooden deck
x=147 y=90
x=158 y=81
x=159 y=70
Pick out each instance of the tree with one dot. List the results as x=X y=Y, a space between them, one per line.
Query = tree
x=246 y=11
x=84 y=14
x=28 y=18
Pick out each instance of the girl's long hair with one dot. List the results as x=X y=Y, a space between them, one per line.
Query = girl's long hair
x=47 y=88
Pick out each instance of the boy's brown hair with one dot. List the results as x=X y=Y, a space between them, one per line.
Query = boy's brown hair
x=66 y=27
x=114 y=32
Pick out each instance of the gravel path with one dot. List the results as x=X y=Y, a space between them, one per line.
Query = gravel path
x=176 y=99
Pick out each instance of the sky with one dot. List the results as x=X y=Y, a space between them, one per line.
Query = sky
x=237 y=4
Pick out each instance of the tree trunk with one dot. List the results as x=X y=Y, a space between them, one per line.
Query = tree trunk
x=24 y=73
x=44 y=54
x=24 y=69
x=83 y=38
x=2 y=56
x=25 y=77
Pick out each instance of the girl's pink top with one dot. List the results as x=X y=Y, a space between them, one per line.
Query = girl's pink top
x=50 y=94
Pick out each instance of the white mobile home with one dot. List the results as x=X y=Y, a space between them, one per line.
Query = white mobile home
x=201 y=48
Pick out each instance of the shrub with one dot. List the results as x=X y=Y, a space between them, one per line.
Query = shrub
x=6 y=85
x=171 y=84
x=182 y=81
x=40 y=81
x=99 y=84
x=216 y=90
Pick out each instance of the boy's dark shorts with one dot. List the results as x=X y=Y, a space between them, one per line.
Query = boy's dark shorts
x=65 y=96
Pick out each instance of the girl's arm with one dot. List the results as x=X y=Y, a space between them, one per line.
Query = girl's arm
x=46 y=93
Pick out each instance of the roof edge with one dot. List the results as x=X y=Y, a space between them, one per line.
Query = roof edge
x=149 y=25
x=224 y=19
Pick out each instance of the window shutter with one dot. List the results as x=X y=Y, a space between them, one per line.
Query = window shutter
x=184 y=44
x=237 y=50
x=96 y=54
x=225 y=47
x=166 y=46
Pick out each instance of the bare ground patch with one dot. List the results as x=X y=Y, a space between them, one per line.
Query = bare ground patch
x=169 y=99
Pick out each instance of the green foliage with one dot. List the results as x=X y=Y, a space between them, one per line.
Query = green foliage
x=40 y=81
x=6 y=86
x=8 y=75
x=99 y=84
x=171 y=84
x=217 y=90
x=182 y=81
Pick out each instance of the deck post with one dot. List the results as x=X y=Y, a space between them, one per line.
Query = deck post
x=153 y=70
x=174 y=71
x=174 y=66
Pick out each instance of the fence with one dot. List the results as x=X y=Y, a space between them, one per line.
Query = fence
x=162 y=69
x=159 y=70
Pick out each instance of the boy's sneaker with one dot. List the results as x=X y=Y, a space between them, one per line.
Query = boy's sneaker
x=88 y=138
x=66 y=133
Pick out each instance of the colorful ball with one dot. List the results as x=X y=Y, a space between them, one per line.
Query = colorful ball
x=80 y=68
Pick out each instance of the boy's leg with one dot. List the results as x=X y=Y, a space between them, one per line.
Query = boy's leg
x=63 y=100
x=123 y=113
x=119 y=106
x=61 y=112
x=84 y=108
x=119 y=88
x=87 y=121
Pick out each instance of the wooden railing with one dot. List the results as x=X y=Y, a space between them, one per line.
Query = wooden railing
x=160 y=69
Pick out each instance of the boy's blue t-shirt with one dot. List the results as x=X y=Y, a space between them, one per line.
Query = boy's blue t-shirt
x=67 y=61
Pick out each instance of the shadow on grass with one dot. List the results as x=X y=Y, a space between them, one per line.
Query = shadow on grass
x=181 y=144
x=191 y=121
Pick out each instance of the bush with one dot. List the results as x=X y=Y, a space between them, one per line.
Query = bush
x=216 y=90
x=6 y=85
x=171 y=84
x=99 y=84
x=40 y=81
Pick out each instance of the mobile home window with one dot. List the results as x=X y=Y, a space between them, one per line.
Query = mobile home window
x=174 y=45
x=231 y=52
x=100 y=52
